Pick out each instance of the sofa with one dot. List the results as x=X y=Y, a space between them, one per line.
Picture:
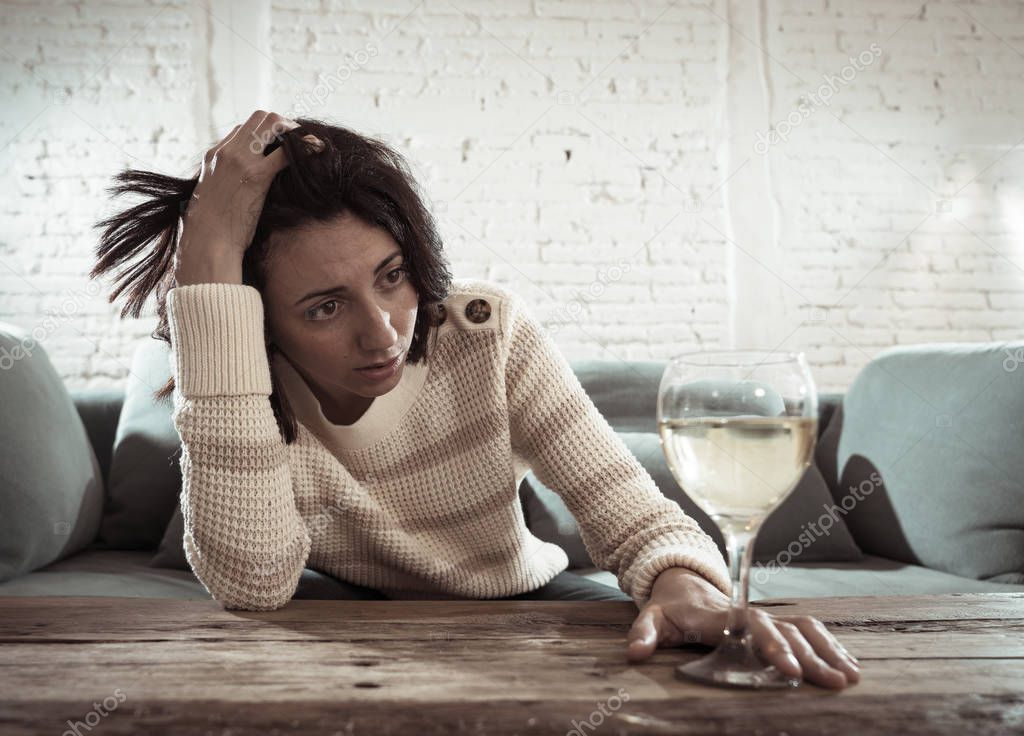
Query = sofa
x=916 y=485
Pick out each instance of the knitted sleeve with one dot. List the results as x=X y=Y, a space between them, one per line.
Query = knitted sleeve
x=627 y=524
x=244 y=537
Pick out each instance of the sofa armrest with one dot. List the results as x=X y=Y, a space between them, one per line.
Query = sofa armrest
x=100 y=410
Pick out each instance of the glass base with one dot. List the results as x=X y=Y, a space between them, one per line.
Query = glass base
x=735 y=664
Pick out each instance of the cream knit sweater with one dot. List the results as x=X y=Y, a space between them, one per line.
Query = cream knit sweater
x=418 y=498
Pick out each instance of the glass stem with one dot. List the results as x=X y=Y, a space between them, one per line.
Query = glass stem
x=740 y=554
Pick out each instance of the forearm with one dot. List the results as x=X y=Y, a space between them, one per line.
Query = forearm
x=205 y=265
x=627 y=525
x=244 y=537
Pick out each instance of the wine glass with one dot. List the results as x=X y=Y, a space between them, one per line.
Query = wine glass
x=738 y=429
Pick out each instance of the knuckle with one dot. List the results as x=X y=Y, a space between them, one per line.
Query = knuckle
x=787 y=627
x=820 y=628
x=774 y=648
x=822 y=666
x=280 y=124
x=759 y=614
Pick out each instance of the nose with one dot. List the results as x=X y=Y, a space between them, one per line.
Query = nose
x=376 y=334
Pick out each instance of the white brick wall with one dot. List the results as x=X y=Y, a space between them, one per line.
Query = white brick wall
x=600 y=158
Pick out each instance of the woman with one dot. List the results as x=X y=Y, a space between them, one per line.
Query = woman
x=306 y=258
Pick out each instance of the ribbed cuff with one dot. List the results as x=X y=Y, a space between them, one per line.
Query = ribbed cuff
x=217 y=342
x=679 y=550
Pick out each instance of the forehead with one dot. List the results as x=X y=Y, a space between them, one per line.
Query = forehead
x=341 y=251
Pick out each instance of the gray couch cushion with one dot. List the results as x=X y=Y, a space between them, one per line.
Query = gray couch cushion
x=145 y=477
x=51 y=485
x=625 y=392
x=127 y=573
x=100 y=409
x=805 y=526
x=121 y=573
x=927 y=451
x=171 y=553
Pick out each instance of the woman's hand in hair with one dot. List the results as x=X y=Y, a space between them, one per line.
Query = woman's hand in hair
x=221 y=217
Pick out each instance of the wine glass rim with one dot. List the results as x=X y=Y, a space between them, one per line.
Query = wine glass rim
x=731 y=356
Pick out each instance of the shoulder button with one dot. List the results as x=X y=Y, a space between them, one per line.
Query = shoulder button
x=478 y=311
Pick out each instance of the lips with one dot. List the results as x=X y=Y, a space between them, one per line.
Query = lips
x=380 y=365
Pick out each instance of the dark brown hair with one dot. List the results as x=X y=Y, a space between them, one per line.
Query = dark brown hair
x=352 y=174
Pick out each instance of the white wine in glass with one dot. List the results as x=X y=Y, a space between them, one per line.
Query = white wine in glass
x=738 y=429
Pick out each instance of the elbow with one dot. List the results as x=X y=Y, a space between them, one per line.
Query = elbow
x=254 y=586
x=253 y=603
x=253 y=597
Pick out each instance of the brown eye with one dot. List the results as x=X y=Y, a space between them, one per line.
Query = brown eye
x=317 y=310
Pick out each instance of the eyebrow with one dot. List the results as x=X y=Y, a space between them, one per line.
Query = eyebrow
x=344 y=289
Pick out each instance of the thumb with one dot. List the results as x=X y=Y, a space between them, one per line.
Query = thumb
x=643 y=636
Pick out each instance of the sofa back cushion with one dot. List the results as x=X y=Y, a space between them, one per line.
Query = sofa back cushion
x=624 y=391
x=171 y=552
x=926 y=454
x=100 y=409
x=144 y=480
x=51 y=485
x=806 y=526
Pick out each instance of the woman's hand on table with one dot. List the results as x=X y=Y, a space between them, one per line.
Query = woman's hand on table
x=684 y=608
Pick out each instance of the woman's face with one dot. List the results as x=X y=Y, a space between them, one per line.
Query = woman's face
x=339 y=298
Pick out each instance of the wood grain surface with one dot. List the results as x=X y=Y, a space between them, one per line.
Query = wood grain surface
x=942 y=664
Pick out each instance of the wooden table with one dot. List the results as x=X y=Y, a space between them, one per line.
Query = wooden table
x=948 y=664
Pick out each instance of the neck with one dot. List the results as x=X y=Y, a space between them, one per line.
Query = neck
x=340 y=411
x=346 y=414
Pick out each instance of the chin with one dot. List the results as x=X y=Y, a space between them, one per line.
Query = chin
x=384 y=386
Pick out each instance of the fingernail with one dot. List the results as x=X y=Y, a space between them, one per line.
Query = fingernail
x=314 y=141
